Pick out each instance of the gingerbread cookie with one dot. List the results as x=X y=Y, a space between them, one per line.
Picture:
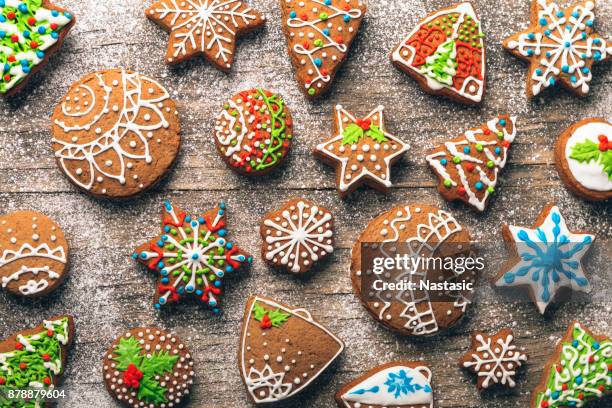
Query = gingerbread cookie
x=560 y=46
x=254 y=131
x=297 y=236
x=445 y=53
x=578 y=372
x=583 y=155
x=115 y=133
x=422 y=232
x=361 y=150
x=30 y=32
x=33 y=254
x=35 y=359
x=192 y=256
x=494 y=359
x=148 y=367
x=545 y=258
x=401 y=384
x=468 y=166
x=203 y=27
x=282 y=350
x=319 y=34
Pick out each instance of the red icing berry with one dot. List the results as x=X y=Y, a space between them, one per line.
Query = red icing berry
x=347 y=7
x=305 y=17
x=339 y=39
x=12 y=58
x=31 y=21
x=580 y=396
x=14 y=38
x=558 y=368
x=544 y=404
x=591 y=359
x=23 y=366
x=11 y=15
x=132 y=376
x=609 y=367
x=506 y=143
x=46 y=357
x=47 y=381
x=33 y=44
x=53 y=26
x=266 y=323
x=2 y=381
x=603 y=146
x=601 y=388
x=364 y=123
x=306 y=45
x=469 y=167
x=50 y=333
x=602 y=138
x=564 y=387
x=19 y=346
x=461 y=191
x=7 y=77
x=487 y=132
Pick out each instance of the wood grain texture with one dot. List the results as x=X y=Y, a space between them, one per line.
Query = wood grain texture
x=107 y=292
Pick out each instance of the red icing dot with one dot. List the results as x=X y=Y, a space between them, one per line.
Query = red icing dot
x=506 y=143
x=347 y=7
x=601 y=388
x=33 y=44
x=53 y=26
x=47 y=381
x=602 y=138
x=603 y=146
x=469 y=167
x=564 y=387
x=7 y=77
x=306 y=45
x=2 y=381
x=591 y=359
x=46 y=357
x=11 y=15
x=50 y=332
x=339 y=39
x=558 y=368
x=14 y=38
x=23 y=366
x=487 y=132
x=305 y=17
x=31 y=21
x=19 y=346
x=461 y=191
x=580 y=396
x=544 y=404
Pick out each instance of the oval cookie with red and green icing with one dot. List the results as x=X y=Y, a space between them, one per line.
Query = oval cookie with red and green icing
x=33 y=254
x=35 y=359
x=282 y=350
x=577 y=373
x=445 y=54
x=30 y=32
x=254 y=131
x=148 y=367
x=584 y=158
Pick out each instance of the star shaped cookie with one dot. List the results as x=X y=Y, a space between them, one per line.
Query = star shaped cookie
x=362 y=151
x=207 y=27
x=545 y=258
x=560 y=45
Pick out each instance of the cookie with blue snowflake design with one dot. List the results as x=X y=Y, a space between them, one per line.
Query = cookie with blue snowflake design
x=546 y=258
x=398 y=384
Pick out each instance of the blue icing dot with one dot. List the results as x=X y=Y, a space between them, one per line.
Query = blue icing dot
x=195 y=256
x=199 y=292
x=531 y=36
x=160 y=265
x=552 y=81
x=221 y=232
x=318 y=62
x=555 y=395
x=479 y=185
x=68 y=15
x=568 y=44
x=168 y=205
x=548 y=54
x=222 y=205
x=565 y=68
x=241 y=258
x=560 y=14
x=575 y=343
x=217 y=283
x=194 y=224
x=54 y=13
x=229 y=245
x=596 y=346
x=530 y=52
x=443 y=162
x=589 y=23
x=347 y=18
x=547 y=33
x=584 y=36
x=596 y=41
x=201 y=220
x=157 y=306
x=585 y=70
x=24 y=63
x=508 y=278
x=538 y=71
x=164 y=280
x=466 y=150
x=167 y=228
x=189 y=288
x=143 y=255
x=326 y=31
x=573 y=78
x=42 y=30
x=575 y=14
x=164 y=272
x=164 y=237
x=568 y=27
x=328 y=2
x=26 y=34
x=181 y=290
x=497 y=150
x=2 y=3
x=502 y=122
x=162 y=300
x=6 y=67
x=597 y=55
x=23 y=8
x=216 y=311
x=212 y=302
x=543 y=22
x=2 y=19
x=293 y=14
x=229 y=269
x=578 y=380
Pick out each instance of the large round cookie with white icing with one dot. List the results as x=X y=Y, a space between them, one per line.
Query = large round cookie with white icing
x=415 y=307
x=115 y=133
x=583 y=155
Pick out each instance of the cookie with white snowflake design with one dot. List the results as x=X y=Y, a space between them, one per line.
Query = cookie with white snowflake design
x=115 y=133
x=254 y=131
x=148 y=367
x=282 y=350
x=35 y=359
x=30 y=33
x=33 y=254
x=319 y=34
x=583 y=155
x=297 y=236
x=445 y=53
x=577 y=373
x=561 y=46
x=494 y=359
x=192 y=257
x=546 y=258
x=203 y=27
x=399 y=384
x=402 y=298
x=361 y=151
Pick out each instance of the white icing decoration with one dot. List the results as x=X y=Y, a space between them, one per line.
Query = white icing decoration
x=590 y=174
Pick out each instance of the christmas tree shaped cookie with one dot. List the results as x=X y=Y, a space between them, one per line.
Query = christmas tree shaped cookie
x=34 y=358
x=192 y=256
x=578 y=371
x=560 y=46
x=468 y=166
x=319 y=34
x=282 y=350
x=445 y=54
x=30 y=32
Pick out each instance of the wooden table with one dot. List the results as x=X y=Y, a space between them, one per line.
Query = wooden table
x=107 y=292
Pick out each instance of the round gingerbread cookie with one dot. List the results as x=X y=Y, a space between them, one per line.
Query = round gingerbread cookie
x=583 y=155
x=253 y=132
x=426 y=234
x=148 y=367
x=33 y=254
x=115 y=133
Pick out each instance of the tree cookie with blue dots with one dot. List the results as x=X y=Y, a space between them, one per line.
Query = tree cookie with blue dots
x=192 y=256
x=560 y=46
x=546 y=258
x=468 y=167
x=319 y=34
x=30 y=32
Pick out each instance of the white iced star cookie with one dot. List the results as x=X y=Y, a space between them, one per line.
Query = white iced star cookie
x=545 y=258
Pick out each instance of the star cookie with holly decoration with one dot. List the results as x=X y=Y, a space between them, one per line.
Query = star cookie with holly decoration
x=148 y=367
x=545 y=258
x=319 y=34
x=30 y=32
x=361 y=150
x=560 y=46
x=206 y=27
x=34 y=359
x=577 y=373
x=282 y=350
x=192 y=256
x=494 y=359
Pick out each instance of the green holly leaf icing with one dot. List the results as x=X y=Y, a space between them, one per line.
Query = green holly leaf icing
x=151 y=391
x=277 y=317
x=160 y=362
x=442 y=65
x=258 y=311
x=588 y=150
x=583 y=369
x=606 y=160
x=376 y=134
x=128 y=352
x=352 y=134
